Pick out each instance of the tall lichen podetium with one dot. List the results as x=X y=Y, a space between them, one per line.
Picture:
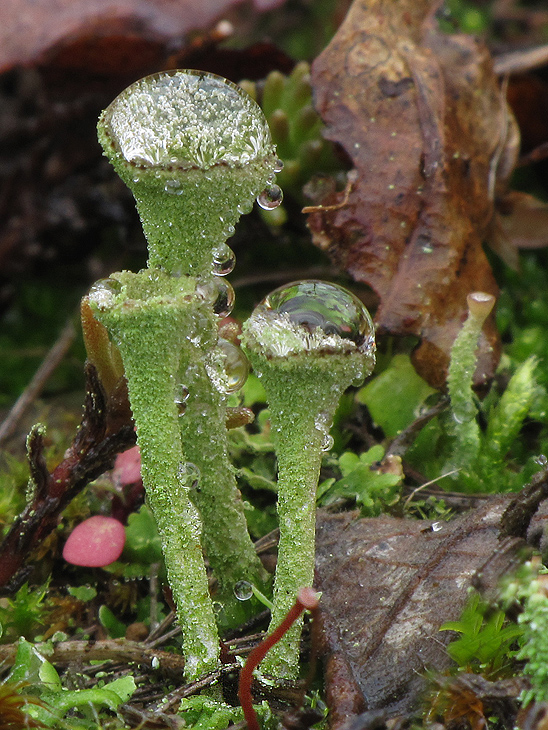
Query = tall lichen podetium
x=307 y=341
x=196 y=151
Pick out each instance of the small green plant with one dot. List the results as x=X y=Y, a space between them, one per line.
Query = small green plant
x=486 y=640
x=373 y=489
x=48 y=702
x=295 y=125
x=529 y=587
x=470 y=442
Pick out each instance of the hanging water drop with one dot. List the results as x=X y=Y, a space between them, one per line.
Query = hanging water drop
x=236 y=366
x=271 y=197
x=243 y=590
x=278 y=166
x=220 y=294
x=181 y=397
x=224 y=260
x=327 y=443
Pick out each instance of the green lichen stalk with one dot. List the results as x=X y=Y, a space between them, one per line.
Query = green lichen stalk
x=225 y=537
x=150 y=318
x=196 y=151
x=464 y=426
x=307 y=343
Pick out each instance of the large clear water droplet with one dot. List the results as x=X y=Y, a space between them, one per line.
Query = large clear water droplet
x=183 y=118
x=236 y=365
x=313 y=304
x=271 y=197
x=243 y=590
x=102 y=293
x=219 y=294
x=224 y=260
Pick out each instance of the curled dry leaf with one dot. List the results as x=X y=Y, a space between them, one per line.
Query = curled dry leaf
x=423 y=118
x=387 y=586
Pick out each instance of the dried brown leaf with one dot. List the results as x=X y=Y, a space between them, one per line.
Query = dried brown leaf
x=387 y=586
x=100 y=32
x=425 y=123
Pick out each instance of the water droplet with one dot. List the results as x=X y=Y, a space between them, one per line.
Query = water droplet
x=322 y=423
x=102 y=293
x=313 y=305
x=189 y=475
x=243 y=590
x=328 y=441
x=463 y=412
x=224 y=260
x=186 y=119
x=236 y=365
x=271 y=197
x=173 y=187
x=278 y=166
x=181 y=397
x=541 y=460
x=220 y=294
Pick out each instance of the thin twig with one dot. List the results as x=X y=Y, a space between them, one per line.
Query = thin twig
x=517 y=62
x=49 y=364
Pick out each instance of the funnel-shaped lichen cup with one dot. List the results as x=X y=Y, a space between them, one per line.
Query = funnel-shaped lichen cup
x=196 y=151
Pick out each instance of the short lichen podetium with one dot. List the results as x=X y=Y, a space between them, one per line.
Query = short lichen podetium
x=307 y=342
x=203 y=141
x=150 y=316
x=463 y=425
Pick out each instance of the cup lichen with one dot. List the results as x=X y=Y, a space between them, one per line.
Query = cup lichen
x=308 y=342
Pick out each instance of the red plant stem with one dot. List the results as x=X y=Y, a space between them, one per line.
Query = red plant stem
x=307 y=598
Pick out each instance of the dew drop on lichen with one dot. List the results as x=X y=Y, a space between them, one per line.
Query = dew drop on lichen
x=278 y=166
x=322 y=423
x=243 y=590
x=181 y=397
x=189 y=475
x=327 y=443
x=102 y=293
x=236 y=365
x=324 y=314
x=173 y=187
x=271 y=197
x=219 y=294
x=224 y=260
x=184 y=119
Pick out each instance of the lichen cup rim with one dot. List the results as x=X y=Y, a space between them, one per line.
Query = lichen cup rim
x=235 y=142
